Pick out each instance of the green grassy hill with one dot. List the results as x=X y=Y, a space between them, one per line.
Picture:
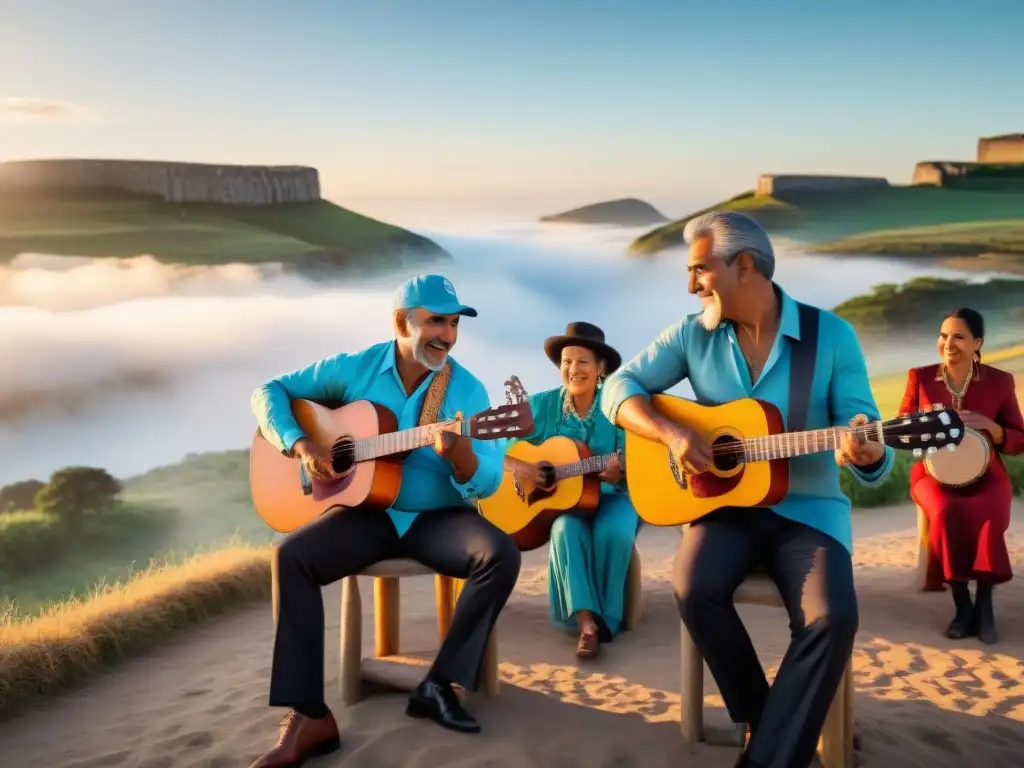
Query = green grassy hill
x=302 y=235
x=1000 y=239
x=822 y=217
x=919 y=305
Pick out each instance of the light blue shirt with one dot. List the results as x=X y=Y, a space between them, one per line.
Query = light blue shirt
x=428 y=481
x=714 y=365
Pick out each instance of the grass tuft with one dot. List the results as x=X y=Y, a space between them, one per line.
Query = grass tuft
x=72 y=640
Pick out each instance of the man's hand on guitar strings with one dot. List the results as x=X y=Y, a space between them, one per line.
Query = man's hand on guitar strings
x=315 y=459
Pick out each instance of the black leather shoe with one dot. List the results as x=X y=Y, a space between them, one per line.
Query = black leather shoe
x=438 y=702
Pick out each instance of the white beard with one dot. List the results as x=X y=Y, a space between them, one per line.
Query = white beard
x=711 y=318
x=419 y=352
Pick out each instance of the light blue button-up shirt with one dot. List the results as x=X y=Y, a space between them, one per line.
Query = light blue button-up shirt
x=428 y=481
x=714 y=365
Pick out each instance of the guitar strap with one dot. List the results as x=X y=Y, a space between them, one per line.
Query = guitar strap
x=435 y=395
x=801 y=368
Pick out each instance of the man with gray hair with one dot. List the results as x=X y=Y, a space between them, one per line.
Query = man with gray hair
x=433 y=519
x=753 y=340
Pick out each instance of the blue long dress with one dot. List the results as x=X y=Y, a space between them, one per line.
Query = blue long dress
x=588 y=561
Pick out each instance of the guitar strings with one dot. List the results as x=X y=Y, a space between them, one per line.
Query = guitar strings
x=788 y=439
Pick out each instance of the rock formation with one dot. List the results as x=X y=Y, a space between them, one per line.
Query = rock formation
x=171 y=182
x=1008 y=148
x=627 y=212
x=772 y=185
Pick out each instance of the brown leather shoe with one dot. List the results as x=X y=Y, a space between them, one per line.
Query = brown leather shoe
x=301 y=738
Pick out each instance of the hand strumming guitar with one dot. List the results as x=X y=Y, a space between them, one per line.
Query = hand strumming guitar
x=688 y=447
x=540 y=475
x=315 y=459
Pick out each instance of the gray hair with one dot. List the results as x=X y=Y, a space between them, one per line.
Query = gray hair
x=733 y=233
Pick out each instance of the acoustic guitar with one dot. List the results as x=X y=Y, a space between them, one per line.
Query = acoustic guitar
x=751 y=452
x=366 y=452
x=527 y=512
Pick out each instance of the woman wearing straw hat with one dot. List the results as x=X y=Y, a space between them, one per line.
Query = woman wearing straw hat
x=588 y=561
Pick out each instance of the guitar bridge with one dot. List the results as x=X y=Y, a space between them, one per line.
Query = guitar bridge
x=519 y=489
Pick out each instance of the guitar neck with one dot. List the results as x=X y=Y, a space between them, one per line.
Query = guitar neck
x=789 y=444
x=585 y=466
x=390 y=443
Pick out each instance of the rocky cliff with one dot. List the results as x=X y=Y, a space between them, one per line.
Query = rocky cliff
x=1008 y=148
x=171 y=182
x=772 y=185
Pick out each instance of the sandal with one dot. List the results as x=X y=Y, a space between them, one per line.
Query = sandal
x=589 y=646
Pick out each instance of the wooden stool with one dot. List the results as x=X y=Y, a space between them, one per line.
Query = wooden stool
x=386 y=667
x=632 y=601
x=924 y=554
x=835 y=746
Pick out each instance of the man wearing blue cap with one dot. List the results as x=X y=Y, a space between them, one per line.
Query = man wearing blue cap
x=432 y=521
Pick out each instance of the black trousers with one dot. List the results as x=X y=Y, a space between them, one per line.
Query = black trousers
x=814 y=573
x=454 y=542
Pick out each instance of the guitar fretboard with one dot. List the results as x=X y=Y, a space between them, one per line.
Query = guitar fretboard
x=369 y=448
x=789 y=444
x=583 y=466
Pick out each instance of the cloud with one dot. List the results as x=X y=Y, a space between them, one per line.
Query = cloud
x=41 y=111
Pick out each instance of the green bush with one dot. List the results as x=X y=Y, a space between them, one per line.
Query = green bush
x=28 y=540
x=35 y=540
x=19 y=496
x=896 y=488
x=76 y=491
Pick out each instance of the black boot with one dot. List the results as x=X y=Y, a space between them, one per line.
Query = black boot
x=983 y=623
x=961 y=625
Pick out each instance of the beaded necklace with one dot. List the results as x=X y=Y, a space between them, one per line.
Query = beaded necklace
x=957 y=395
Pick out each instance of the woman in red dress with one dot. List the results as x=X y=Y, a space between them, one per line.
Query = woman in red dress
x=966 y=526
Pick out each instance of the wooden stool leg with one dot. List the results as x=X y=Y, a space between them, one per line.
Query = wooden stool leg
x=386 y=605
x=691 y=700
x=924 y=554
x=444 y=596
x=850 y=718
x=834 y=743
x=351 y=642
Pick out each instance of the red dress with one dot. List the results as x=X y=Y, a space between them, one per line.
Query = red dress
x=967 y=525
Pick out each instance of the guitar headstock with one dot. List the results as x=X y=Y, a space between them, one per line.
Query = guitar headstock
x=515 y=392
x=515 y=420
x=926 y=430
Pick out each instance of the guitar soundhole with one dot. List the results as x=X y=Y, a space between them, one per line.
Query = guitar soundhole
x=725 y=459
x=343 y=455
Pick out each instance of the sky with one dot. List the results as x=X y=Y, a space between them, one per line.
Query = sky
x=416 y=108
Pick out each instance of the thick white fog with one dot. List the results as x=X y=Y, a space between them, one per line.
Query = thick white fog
x=129 y=364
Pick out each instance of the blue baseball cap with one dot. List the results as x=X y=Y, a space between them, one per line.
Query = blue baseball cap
x=435 y=293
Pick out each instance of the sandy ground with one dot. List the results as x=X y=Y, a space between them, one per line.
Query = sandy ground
x=921 y=700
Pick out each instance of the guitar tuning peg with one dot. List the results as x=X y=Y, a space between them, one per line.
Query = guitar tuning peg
x=917 y=453
x=931 y=449
x=954 y=432
x=951 y=446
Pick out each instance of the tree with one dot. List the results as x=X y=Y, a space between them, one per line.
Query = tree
x=75 y=491
x=20 y=495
